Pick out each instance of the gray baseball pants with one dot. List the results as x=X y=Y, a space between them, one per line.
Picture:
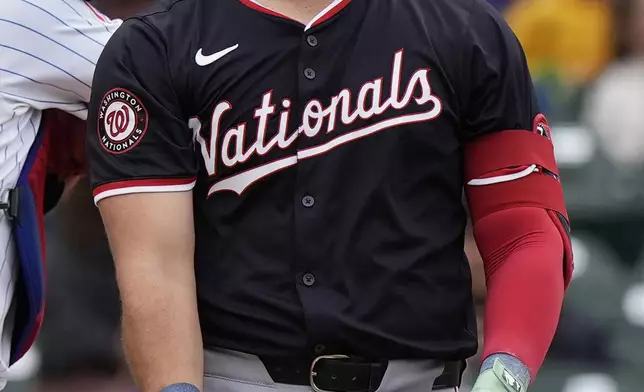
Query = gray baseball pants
x=232 y=371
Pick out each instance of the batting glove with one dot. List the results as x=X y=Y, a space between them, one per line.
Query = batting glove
x=498 y=379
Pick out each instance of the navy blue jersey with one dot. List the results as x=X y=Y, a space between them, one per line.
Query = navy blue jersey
x=325 y=161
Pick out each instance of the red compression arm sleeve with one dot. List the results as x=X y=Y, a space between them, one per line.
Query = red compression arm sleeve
x=522 y=251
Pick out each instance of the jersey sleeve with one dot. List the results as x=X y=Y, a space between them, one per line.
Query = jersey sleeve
x=138 y=139
x=48 y=53
x=500 y=94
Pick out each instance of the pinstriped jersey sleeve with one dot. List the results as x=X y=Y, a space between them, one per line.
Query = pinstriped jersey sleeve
x=48 y=53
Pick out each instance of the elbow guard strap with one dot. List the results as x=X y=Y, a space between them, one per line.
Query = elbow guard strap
x=517 y=168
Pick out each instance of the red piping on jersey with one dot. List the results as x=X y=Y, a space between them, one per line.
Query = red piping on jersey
x=261 y=8
x=326 y=16
x=98 y=15
x=142 y=183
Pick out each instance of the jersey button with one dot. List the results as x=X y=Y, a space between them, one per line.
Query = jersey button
x=309 y=73
x=312 y=41
x=308 y=201
x=308 y=279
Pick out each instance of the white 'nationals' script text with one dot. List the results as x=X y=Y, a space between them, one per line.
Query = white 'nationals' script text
x=315 y=119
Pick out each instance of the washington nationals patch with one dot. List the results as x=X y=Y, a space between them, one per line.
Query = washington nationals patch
x=122 y=121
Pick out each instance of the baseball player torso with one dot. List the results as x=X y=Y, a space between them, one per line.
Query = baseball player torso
x=48 y=51
x=327 y=157
x=330 y=168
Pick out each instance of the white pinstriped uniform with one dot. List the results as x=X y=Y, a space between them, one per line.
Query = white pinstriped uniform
x=48 y=51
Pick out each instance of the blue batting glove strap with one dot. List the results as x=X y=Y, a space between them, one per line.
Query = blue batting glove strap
x=498 y=379
x=181 y=387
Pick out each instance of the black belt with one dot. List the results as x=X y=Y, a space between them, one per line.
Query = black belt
x=341 y=373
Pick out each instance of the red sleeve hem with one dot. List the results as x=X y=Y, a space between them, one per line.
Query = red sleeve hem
x=143 y=186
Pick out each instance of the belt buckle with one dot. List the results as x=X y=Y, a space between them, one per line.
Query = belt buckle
x=313 y=373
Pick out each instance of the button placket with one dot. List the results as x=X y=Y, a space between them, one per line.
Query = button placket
x=308 y=279
x=309 y=73
x=312 y=41
x=308 y=201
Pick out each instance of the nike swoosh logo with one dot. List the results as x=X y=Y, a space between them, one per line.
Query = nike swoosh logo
x=207 y=60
